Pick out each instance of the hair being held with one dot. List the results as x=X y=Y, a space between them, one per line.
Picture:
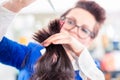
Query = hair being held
x=54 y=64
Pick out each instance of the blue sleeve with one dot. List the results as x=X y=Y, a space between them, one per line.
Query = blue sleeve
x=12 y=53
x=30 y=60
x=33 y=55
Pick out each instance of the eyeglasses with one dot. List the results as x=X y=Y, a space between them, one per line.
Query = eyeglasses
x=82 y=31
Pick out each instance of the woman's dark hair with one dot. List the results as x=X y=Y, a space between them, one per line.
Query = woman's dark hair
x=54 y=64
x=96 y=10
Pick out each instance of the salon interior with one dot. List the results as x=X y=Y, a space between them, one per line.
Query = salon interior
x=105 y=48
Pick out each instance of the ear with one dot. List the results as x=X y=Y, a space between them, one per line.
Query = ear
x=61 y=23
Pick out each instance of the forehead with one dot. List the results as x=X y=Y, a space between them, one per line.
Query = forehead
x=83 y=17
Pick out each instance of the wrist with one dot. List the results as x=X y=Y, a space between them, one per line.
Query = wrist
x=79 y=51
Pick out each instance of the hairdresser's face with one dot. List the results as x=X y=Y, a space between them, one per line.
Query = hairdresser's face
x=79 y=17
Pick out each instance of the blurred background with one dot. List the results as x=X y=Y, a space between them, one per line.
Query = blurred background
x=105 y=49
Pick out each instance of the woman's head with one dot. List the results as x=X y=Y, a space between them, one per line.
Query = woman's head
x=96 y=10
x=87 y=16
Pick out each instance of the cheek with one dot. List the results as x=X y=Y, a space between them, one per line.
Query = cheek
x=83 y=42
x=86 y=42
x=63 y=28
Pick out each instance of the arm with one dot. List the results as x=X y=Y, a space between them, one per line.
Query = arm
x=6 y=18
x=87 y=66
x=75 y=49
x=13 y=53
x=8 y=10
x=17 y=5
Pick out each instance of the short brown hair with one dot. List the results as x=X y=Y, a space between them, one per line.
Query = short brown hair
x=97 y=11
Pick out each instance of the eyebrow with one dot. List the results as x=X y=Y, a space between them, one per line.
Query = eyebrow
x=71 y=17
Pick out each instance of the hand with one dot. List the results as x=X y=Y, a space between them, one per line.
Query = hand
x=17 y=5
x=66 y=39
